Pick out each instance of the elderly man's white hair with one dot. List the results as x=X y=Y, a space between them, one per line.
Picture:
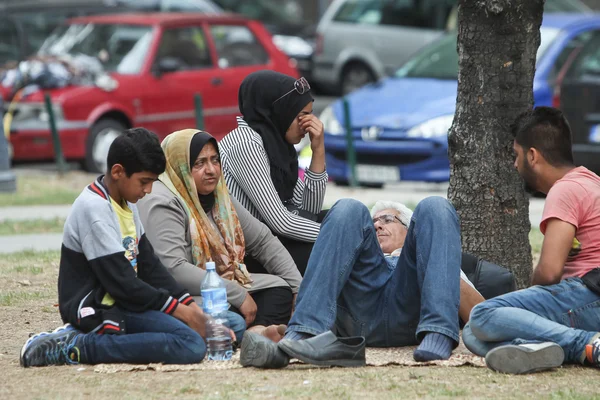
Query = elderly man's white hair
x=405 y=212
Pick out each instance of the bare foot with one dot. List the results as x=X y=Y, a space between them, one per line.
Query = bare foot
x=274 y=332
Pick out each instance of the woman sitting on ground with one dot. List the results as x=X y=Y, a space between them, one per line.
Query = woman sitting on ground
x=260 y=163
x=190 y=218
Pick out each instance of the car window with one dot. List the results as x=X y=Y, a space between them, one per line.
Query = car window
x=428 y=14
x=39 y=25
x=440 y=59
x=186 y=45
x=571 y=50
x=587 y=61
x=117 y=48
x=237 y=46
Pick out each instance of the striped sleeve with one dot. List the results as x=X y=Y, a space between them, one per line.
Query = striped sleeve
x=249 y=166
x=313 y=194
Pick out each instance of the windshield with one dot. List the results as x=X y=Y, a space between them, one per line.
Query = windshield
x=267 y=11
x=565 y=6
x=120 y=48
x=440 y=60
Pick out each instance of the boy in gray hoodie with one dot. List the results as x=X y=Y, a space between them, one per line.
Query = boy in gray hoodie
x=119 y=302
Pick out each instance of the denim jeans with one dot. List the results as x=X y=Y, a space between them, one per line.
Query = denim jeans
x=152 y=337
x=351 y=288
x=567 y=313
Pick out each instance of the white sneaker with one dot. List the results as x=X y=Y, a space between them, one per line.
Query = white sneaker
x=525 y=358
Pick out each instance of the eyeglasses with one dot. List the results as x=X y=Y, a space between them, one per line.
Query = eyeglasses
x=300 y=85
x=387 y=219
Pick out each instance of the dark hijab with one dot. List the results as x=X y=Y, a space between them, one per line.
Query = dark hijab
x=270 y=120
x=207 y=201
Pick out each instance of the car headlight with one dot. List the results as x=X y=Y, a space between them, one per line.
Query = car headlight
x=35 y=111
x=330 y=122
x=433 y=128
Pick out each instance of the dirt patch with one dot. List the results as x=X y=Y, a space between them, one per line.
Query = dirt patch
x=28 y=294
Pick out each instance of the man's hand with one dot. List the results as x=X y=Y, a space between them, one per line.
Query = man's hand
x=248 y=309
x=192 y=316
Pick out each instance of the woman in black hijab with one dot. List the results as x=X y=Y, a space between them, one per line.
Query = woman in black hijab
x=260 y=163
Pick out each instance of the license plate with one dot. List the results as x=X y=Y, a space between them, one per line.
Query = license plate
x=377 y=173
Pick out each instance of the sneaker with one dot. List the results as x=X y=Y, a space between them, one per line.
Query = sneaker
x=525 y=358
x=51 y=348
x=592 y=352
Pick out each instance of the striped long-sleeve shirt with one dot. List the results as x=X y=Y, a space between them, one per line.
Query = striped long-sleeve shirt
x=247 y=172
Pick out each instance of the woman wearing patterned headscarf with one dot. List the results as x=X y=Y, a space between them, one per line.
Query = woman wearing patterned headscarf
x=190 y=218
x=260 y=163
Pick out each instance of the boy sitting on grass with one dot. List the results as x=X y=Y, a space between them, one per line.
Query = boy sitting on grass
x=119 y=302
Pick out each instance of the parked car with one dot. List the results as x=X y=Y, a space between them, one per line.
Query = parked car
x=292 y=33
x=158 y=63
x=27 y=23
x=400 y=124
x=361 y=41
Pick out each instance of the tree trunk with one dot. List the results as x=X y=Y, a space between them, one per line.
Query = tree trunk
x=497 y=44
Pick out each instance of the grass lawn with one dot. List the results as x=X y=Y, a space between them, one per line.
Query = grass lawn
x=10 y=227
x=46 y=189
x=28 y=304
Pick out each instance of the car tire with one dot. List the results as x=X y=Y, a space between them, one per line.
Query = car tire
x=372 y=185
x=354 y=76
x=101 y=136
x=343 y=183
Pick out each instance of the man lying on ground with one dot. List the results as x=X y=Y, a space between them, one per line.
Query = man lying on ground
x=557 y=320
x=402 y=298
x=120 y=303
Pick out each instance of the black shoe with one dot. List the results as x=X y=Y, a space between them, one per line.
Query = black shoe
x=327 y=349
x=259 y=351
x=51 y=348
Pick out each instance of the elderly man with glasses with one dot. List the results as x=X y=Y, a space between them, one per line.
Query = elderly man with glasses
x=391 y=277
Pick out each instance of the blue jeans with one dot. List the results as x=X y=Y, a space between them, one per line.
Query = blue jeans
x=351 y=288
x=152 y=337
x=567 y=313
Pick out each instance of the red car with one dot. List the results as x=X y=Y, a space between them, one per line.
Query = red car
x=157 y=63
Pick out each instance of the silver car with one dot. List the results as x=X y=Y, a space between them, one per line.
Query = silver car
x=360 y=41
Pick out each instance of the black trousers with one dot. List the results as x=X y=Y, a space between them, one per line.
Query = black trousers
x=300 y=252
x=274 y=306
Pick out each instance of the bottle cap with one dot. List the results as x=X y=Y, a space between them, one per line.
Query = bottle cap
x=210 y=265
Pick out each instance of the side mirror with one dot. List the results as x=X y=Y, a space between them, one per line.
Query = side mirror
x=166 y=65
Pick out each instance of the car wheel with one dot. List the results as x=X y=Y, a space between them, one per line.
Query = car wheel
x=101 y=136
x=354 y=76
x=372 y=185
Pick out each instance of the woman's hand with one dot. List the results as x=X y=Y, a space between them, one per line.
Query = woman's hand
x=248 y=309
x=311 y=124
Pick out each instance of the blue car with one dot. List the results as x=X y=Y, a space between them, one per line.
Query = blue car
x=400 y=124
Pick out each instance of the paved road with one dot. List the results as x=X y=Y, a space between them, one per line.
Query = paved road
x=37 y=242
x=406 y=192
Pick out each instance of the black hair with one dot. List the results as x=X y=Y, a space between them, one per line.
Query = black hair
x=137 y=150
x=547 y=130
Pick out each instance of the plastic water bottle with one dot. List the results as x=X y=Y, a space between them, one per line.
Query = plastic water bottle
x=214 y=302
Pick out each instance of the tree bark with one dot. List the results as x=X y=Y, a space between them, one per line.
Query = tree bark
x=497 y=45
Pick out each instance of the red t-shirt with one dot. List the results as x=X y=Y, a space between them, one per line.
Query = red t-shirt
x=576 y=199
